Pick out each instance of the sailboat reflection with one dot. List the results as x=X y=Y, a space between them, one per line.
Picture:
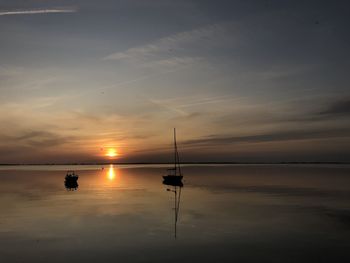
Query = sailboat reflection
x=176 y=189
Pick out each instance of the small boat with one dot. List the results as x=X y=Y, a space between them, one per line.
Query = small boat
x=174 y=176
x=71 y=176
x=71 y=181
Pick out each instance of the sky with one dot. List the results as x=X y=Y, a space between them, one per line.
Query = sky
x=242 y=81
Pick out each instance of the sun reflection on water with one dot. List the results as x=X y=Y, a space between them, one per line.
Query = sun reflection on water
x=111 y=173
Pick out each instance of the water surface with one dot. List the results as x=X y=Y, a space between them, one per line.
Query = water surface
x=239 y=213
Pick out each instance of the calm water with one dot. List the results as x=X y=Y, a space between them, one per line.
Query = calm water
x=237 y=213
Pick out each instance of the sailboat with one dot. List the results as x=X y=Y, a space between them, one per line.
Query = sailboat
x=174 y=175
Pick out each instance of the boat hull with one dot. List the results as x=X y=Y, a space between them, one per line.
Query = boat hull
x=173 y=180
x=72 y=178
x=173 y=177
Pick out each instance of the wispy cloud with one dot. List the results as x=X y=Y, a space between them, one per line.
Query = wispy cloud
x=35 y=138
x=38 y=11
x=171 y=43
x=178 y=105
x=168 y=107
x=214 y=140
x=8 y=71
x=339 y=107
x=172 y=62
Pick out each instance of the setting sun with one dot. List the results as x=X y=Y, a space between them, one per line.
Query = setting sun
x=111 y=153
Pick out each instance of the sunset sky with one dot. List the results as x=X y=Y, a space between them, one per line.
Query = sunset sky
x=242 y=81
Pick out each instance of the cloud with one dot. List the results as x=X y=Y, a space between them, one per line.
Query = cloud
x=208 y=100
x=178 y=105
x=167 y=107
x=172 y=62
x=164 y=67
x=34 y=138
x=40 y=139
x=170 y=43
x=342 y=216
x=339 y=107
x=38 y=11
x=7 y=71
x=269 y=137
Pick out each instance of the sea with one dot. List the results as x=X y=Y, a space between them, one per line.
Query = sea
x=220 y=213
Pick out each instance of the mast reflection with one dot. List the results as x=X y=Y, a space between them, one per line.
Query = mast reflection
x=175 y=187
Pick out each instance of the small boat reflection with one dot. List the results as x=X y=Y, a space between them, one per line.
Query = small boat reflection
x=71 y=181
x=175 y=187
x=71 y=186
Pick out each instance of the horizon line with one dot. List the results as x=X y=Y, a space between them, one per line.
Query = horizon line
x=170 y=163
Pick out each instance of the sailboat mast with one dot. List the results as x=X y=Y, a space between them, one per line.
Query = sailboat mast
x=175 y=156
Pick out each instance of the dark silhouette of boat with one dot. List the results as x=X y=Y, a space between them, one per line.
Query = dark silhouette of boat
x=71 y=181
x=174 y=174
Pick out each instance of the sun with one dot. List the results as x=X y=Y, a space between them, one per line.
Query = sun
x=111 y=152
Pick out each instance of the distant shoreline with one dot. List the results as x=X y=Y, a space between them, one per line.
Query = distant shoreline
x=168 y=163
